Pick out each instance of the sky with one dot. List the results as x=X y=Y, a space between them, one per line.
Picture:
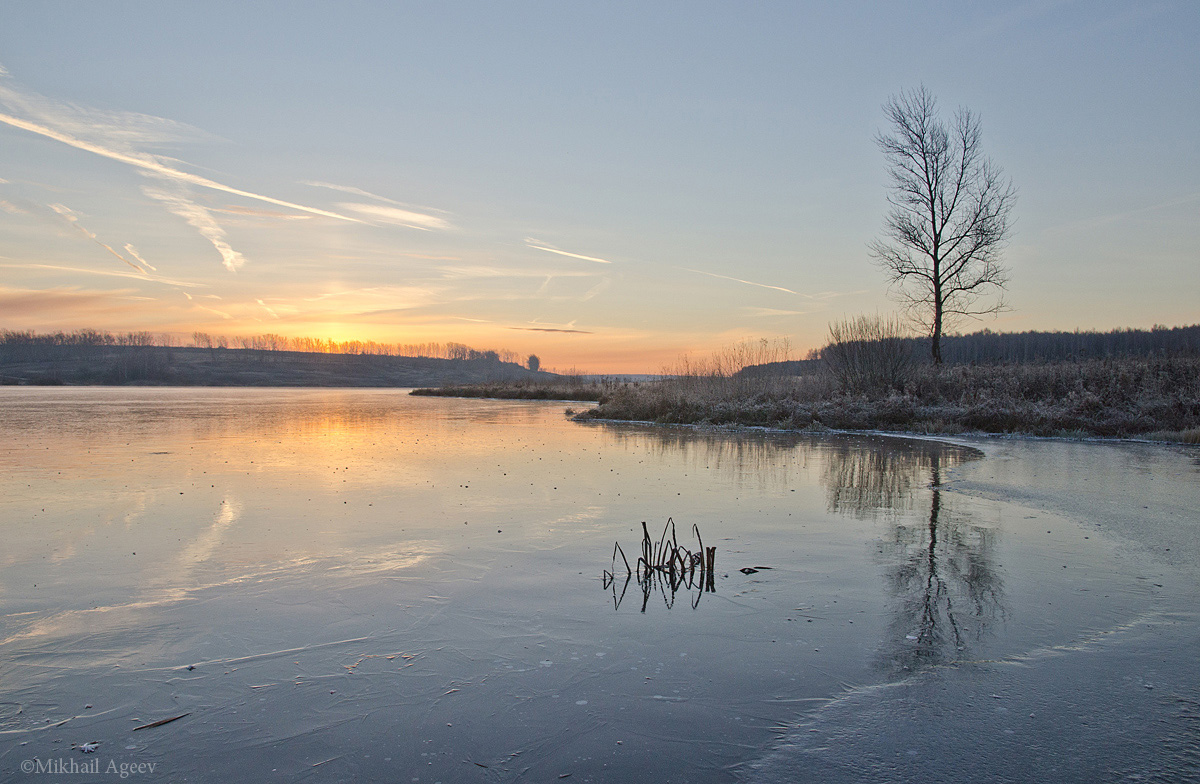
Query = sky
x=608 y=185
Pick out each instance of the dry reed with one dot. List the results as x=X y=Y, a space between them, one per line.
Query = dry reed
x=665 y=565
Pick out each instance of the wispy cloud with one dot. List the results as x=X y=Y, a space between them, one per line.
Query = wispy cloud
x=544 y=288
x=345 y=293
x=539 y=245
x=202 y=221
x=104 y=273
x=1099 y=220
x=485 y=271
x=132 y=251
x=150 y=164
x=71 y=218
x=124 y=130
x=772 y=312
x=372 y=299
x=220 y=313
x=553 y=329
x=737 y=280
x=117 y=136
x=397 y=216
x=567 y=328
x=822 y=296
x=399 y=213
x=254 y=212
x=399 y=311
x=428 y=257
x=367 y=194
x=599 y=288
x=351 y=190
x=52 y=303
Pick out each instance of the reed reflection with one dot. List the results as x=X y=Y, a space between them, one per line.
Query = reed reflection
x=667 y=568
x=939 y=567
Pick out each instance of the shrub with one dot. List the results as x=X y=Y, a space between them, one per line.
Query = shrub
x=868 y=355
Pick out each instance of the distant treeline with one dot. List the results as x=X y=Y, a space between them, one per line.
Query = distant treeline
x=30 y=346
x=993 y=348
x=987 y=347
x=92 y=357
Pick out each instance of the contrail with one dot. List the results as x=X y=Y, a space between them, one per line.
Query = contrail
x=202 y=221
x=550 y=329
x=150 y=164
x=551 y=249
x=413 y=220
x=108 y=273
x=738 y=280
x=368 y=194
x=132 y=251
x=70 y=217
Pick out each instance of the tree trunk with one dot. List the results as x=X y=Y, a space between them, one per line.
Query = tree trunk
x=937 y=321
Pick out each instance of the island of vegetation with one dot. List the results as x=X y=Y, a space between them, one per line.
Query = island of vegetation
x=1119 y=384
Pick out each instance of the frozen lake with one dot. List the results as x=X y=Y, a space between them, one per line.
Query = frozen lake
x=337 y=584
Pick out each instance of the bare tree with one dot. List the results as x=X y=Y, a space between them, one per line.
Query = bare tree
x=949 y=218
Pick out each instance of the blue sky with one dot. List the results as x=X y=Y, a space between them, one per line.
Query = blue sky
x=608 y=185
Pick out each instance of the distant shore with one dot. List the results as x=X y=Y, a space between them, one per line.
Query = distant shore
x=236 y=367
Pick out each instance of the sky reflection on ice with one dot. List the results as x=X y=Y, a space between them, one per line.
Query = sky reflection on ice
x=285 y=543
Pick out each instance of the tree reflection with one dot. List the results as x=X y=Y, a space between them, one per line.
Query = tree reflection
x=864 y=480
x=939 y=565
x=939 y=568
x=764 y=462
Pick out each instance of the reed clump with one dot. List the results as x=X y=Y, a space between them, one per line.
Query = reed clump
x=666 y=566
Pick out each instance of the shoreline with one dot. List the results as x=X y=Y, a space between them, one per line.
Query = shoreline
x=583 y=417
x=1155 y=399
x=950 y=438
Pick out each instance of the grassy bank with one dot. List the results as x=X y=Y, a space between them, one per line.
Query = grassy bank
x=1120 y=397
